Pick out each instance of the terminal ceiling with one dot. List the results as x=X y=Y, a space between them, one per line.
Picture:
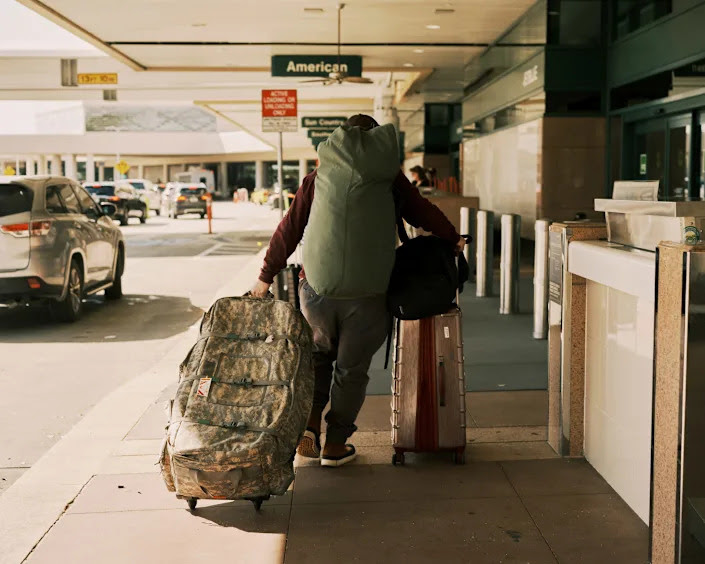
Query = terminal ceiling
x=218 y=52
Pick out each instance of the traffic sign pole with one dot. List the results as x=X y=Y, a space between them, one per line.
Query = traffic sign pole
x=280 y=176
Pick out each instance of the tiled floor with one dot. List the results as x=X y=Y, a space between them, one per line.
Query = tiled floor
x=538 y=511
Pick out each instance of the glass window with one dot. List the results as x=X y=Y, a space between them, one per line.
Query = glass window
x=84 y=198
x=192 y=191
x=14 y=199
x=101 y=189
x=630 y=15
x=679 y=162
x=290 y=173
x=69 y=198
x=53 y=201
x=241 y=175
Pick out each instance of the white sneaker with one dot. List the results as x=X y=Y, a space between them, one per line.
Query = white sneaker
x=335 y=461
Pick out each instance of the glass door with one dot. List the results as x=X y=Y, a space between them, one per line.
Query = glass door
x=679 y=132
x=650 y=145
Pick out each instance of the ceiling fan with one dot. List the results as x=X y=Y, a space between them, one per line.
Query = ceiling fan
x=340 y=77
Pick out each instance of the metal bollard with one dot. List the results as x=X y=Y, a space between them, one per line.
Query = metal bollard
x=468 y=220
x=509 y=264
x=541 y=279
x=484 y=258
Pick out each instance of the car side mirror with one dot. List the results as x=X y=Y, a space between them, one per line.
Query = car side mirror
x=108 y=209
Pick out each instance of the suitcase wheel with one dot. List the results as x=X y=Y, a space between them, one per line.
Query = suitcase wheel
x=398 y=459
x=459 y=457
x=192 y=501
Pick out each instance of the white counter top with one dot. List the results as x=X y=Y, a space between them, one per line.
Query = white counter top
x=625 y=269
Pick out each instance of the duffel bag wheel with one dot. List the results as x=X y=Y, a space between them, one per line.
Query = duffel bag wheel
x=459 y=457
x=398 y=459
x=192 y=501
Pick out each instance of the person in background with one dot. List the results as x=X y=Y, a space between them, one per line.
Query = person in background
x=420 y=180
x=350 y=263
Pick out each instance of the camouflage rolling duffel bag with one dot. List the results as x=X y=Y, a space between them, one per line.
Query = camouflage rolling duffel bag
x=245 y=392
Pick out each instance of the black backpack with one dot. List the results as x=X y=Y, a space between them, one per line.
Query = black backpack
x=425 y=278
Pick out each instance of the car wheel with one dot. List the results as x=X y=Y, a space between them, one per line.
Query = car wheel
x=203 y=215
x=143 y=218
x=115 y=291
x=70 y=308
x=123 y=220
x=158 y=212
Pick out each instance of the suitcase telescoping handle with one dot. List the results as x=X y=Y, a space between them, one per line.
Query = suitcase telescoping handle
x=442 y=381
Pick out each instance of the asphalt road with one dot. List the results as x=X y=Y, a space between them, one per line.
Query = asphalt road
x=53 y=373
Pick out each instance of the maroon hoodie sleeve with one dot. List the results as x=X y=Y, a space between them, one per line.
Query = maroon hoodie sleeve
x=290 y=231
x=419 y=212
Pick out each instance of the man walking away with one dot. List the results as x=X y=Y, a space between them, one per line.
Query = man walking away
x=348 y=258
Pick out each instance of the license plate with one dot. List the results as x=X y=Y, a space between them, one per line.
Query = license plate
x=193 y=199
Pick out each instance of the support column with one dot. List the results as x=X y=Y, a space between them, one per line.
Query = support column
x=90 y=168
x=71 y=171
x=56 y=165
x=101 y=172
x=42 y=165
x=165 y=173
x=29 y=167
x=140 y=171
x=259 y=174
x=224 y=185
x=303 y=170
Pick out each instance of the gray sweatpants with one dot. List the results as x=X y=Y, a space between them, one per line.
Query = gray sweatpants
x=347 y=334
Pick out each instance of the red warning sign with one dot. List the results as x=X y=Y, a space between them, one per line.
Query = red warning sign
x=279 y=110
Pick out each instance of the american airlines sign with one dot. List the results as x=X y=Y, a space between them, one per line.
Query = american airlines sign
x=316 y=65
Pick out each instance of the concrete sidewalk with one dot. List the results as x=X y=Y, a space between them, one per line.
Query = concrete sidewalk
x=514 y=501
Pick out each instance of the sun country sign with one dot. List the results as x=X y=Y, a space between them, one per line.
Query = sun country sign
x=279 y=111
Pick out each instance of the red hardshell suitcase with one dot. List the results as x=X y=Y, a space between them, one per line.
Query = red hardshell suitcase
x=428 y=389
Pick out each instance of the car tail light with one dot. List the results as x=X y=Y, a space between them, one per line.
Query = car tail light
x=113 y=199
x=34 y=283
x=37 y=229
x=204 y=197
x=181 y=199
x=16 y=229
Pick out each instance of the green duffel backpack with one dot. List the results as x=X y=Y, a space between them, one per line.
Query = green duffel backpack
x=351 y=231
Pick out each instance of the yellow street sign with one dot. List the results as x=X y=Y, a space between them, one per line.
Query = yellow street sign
x=122 y=167
x=98 y=78
x=9 y=171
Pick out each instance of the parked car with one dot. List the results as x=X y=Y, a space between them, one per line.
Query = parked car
x=57 y=245
x=123 y=195
x=183 y=198
x=198 y=176
x=149 y=192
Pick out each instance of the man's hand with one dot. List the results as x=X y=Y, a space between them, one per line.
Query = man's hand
x=460 y=245
x=260 y=289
